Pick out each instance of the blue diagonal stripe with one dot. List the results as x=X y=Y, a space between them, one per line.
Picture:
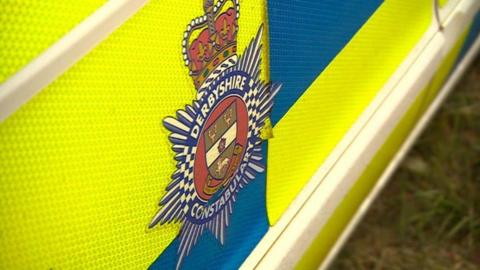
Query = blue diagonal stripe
x=305 y=36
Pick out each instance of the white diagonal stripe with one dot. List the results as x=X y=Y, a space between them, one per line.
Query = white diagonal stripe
x=229 y=136
x=57 y=59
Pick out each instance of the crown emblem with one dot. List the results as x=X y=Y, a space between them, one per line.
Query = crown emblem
x=218 y=137
x=210 y=40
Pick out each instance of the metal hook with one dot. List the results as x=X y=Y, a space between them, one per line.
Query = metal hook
x=436 y=12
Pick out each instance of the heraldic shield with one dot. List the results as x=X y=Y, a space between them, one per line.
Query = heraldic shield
x=224 y=138
x=217 y=138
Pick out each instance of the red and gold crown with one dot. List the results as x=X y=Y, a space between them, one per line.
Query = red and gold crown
x=211 y=39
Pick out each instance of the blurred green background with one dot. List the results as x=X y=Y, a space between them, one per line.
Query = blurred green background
x=428 y=216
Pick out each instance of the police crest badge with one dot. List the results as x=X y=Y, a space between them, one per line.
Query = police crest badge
x=216 y=139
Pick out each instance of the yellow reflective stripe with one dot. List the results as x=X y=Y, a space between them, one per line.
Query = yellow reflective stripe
x=314 y=125
x=28 y=27
x=442 y=2
x=344 y=212
x=85 y=162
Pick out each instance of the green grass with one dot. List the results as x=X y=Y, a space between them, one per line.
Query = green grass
x=428 y=217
